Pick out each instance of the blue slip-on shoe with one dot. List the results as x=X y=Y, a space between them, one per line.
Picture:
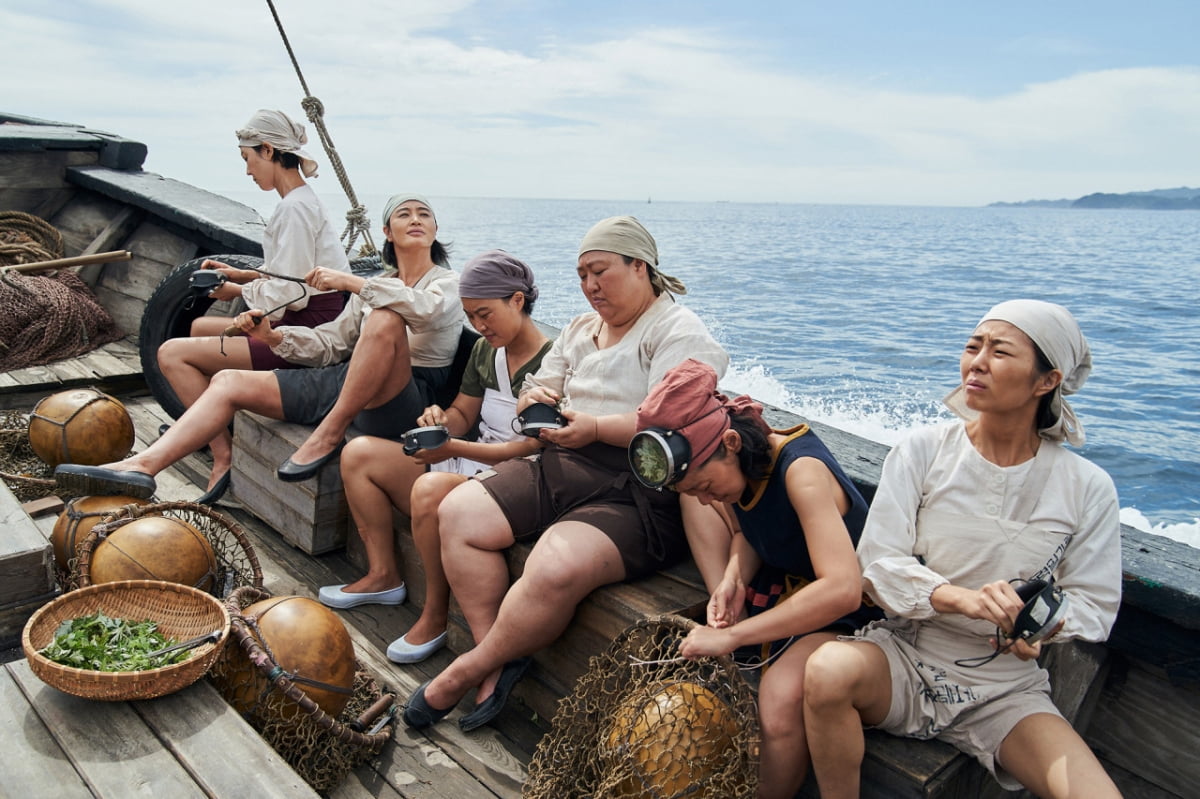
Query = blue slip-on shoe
x=335 y=597
x=401 y=651
x=419 y=714
x=489 y=708
x=87 y=481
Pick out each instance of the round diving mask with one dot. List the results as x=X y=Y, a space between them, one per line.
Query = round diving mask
x=659 y=457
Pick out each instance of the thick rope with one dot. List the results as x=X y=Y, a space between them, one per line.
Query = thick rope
x=356 y=217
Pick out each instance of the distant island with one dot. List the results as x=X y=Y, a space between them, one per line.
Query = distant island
x=1181 y=199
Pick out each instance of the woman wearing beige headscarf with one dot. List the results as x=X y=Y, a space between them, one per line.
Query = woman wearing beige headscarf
x=593 y=522
x=963 y=509
x=299 y=238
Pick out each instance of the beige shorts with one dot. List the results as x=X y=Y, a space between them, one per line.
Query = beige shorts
x=971 y=709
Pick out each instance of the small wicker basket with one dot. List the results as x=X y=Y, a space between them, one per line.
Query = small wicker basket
x=182 y=613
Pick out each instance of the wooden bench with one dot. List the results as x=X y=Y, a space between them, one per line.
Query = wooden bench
x=893 y=767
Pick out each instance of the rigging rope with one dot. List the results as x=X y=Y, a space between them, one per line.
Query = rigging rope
x=356 y=217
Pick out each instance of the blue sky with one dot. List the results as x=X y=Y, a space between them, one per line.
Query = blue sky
x=921 y=103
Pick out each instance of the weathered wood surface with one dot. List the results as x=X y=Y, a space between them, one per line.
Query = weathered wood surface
x=115 y=368
x=26 y=567
x=310 y=514
x=190 y=743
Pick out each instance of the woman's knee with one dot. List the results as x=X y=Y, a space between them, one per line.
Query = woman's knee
x=468 y=516
x=832 y=674
x=431 y=488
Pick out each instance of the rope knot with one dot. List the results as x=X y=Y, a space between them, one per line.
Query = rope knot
x=313 y=108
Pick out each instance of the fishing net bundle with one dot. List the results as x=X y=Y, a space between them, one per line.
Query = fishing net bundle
x=645 y=722
x=44 y=317
x=320 y=748
x=25 y=474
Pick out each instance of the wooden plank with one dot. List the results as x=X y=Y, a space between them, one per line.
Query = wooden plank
x=34 y=765
x=31 y=170
x=1147 y=725
x=26 y=562
x=224 y=754
x=110 y=238
x=83 y=218
x=113 y=750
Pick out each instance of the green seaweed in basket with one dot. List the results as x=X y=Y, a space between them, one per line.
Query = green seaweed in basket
x=100 y=643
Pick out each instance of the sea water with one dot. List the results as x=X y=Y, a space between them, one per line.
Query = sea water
x=856 y=315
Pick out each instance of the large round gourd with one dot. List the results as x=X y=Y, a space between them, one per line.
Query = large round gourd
x=307 y=640
x=83 y=426
x=77 y=520
x=155 y=548
x=672 y=737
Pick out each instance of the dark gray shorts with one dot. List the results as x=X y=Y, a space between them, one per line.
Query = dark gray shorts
x=307 y=396
x=592 y=485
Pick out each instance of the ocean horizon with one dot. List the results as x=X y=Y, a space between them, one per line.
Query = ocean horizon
x=854 y=315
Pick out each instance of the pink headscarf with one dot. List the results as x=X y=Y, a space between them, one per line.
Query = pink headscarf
x=687 y=400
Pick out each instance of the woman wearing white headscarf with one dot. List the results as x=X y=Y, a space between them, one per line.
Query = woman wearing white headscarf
x=299 y=237
x=963 y=509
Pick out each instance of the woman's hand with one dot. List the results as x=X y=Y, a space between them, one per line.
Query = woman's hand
x=727 y=604
x=581 y=429
x=231 y=273
x=324 y=279
x=260 y=329
x=428 y=457
x=703 y=641
x=433 y=415
x=537 y=394
x=996 y=602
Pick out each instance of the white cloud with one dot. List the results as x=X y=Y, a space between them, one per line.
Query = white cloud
x=673 y=112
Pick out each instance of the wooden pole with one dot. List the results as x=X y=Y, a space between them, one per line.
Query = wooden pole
x=63 y=263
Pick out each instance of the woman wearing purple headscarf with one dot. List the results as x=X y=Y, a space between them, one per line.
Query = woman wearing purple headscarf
x=497 y=292
x=965 y=513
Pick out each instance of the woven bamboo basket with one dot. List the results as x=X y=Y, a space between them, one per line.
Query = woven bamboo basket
x=181 y=612
x=237 y=562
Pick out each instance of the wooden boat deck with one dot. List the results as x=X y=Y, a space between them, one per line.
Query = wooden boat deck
x=442 y=762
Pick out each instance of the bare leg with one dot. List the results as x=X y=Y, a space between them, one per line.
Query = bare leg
x=846 y=684
x=569 y=561
x=427 y=494
x=210 y=325
x=189 y=364
x=377 y=474
x=783 y=758
x=475 y=533
x=207 y=420
x=1049 y=758
x=709 y=534
x=379 y=368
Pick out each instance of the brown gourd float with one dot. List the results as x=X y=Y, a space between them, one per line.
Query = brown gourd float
x=155 y=548
x=671 y=736
x=83 y=426
x=77 y=520
x=307 y=641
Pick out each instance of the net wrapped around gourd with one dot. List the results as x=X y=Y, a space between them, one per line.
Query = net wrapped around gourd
x=644 y=722
x=236 y=562
x=282 y=705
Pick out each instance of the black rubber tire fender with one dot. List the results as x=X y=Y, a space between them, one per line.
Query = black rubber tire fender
x=169 y=314
x=171 y=309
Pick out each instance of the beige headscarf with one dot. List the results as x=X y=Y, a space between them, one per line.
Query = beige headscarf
x=1056 y=333
x=626 y=236
x=278 y=130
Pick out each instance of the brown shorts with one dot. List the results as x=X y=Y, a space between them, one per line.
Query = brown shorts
x=592 y=485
